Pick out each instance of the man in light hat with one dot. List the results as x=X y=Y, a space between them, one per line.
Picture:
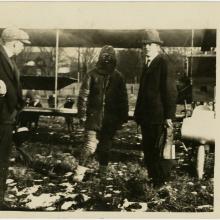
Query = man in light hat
x=13 y=41
x=155 y=106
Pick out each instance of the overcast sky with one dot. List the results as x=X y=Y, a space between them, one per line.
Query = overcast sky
x=116 y=15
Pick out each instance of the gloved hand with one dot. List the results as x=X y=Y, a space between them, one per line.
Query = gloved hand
x=168 y=123
x=3 y=88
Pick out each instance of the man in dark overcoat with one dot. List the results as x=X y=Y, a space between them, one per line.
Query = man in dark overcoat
x=13 y=41
x=102 y=106
x=155 y=106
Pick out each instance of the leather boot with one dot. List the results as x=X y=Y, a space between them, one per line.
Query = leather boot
x=84 y=156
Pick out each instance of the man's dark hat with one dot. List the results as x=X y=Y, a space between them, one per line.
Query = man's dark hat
x=151 y=36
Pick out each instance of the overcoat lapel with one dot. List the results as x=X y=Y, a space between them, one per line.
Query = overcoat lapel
x=8 y=60
x=154 y=62
x=13 y=75
x=147 y=70
x=16 y=72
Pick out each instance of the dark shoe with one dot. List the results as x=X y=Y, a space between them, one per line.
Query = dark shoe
x=5 y=207
x=158 y=184
x=84 y=157
x=102 y=171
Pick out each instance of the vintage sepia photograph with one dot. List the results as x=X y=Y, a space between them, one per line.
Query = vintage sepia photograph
x=104 y=110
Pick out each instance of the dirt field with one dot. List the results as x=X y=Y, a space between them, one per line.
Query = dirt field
x=47 y=183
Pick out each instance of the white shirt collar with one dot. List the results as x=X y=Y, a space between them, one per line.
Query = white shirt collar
x=8 y=51
x=151 y=58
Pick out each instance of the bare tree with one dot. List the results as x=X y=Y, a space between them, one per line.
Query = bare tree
x=88 y=59
x=130 y=64
x=23 y=57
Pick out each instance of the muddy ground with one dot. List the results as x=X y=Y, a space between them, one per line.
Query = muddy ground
x=47 y=184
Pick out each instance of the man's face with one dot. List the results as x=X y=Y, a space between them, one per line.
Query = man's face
x=18 y=47
x=107 y=62
x=151 y=49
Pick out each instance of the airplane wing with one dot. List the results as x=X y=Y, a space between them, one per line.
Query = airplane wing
x=45 y=82
x=120 y=38
x=49 y=111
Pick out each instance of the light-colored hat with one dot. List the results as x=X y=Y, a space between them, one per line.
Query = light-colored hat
x=151 y=36
x=10 y=34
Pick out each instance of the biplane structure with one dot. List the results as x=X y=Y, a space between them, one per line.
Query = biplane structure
x=118 y=38
x=201 y=68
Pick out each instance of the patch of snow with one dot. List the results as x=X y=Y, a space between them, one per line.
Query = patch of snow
x=203 y=187
x=44 y=200
x=14 y=190
x=51 y=184
x=69 y=187
x=108 y=195
x=12 y=184
x=126 y=204
x=66 y=136
x=190 y=183
x=168 y=187
x=29 y=190
x=120 y=173
x=50 y=208
x=10 y=196
x=68 y=174
x=204 y=206
x=67 y=205
x=8 y=181
x=85 y=197
x=38 y=181
x=79 y=210
x=12 y=159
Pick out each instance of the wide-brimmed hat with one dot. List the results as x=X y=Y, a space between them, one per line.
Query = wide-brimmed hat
x=10 y=34
x=151 y=36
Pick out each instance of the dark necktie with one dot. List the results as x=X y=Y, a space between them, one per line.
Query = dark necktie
x=148 y=63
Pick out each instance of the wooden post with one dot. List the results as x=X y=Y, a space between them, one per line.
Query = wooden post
x=78 y=73
x=56 y=65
